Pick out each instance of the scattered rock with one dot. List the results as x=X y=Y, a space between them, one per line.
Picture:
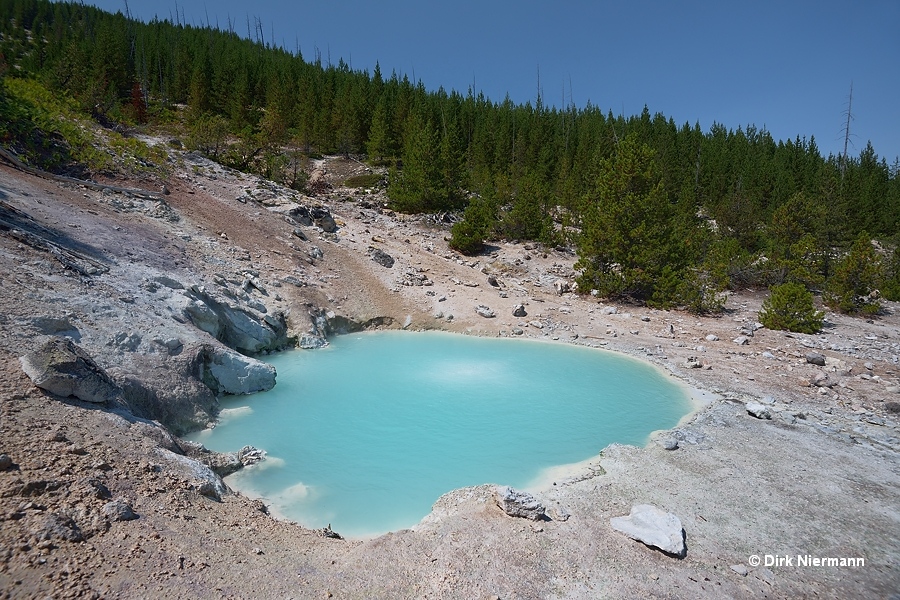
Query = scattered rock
x=814 y=358
x=62 y=368
x=820 y=379
x=666 y=332
x=760 y=411
x=328 y=532
x=892 y=407
x=740 y=570
x=484 y=311
x=381 y=257
x=712 y=338
x=5 y=462
x=669 y=444
x=118 y=510
x=561 y=286
x=516 y=503
x=653 y=527
x=742 y=340
x=322 y=218
x=492 y=281
x=519 y=311
x=536 y=324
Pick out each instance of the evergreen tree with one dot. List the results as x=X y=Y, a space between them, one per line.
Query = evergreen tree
x=790 y=307
x=630 y=237
x=853 y=288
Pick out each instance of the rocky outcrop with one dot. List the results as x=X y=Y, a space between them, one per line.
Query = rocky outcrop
x=62 y=368
x=653 y=527
x=195 y=474
x=224 y=464
x=246 y=329
x=225 y=371
x=516 y=503
x=324 y=323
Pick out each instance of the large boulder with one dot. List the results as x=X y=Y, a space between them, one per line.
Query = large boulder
x=62 y=368
x=653 y=527
x=517 y=503
x=225 y=371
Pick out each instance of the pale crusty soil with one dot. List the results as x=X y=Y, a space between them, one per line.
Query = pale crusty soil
x=821 y=478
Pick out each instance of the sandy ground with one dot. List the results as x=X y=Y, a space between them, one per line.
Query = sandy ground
x=819 y=478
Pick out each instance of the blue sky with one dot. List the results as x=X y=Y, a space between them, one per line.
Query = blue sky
x=784 y=65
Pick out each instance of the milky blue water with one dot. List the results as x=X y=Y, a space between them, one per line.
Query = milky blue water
x=367 y=433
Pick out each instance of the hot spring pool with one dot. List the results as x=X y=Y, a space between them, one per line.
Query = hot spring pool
x=367 y=433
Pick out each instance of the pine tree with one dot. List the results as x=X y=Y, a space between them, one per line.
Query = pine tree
x=630 y=235
x=853 y=288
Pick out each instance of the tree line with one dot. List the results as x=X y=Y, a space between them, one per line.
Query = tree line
x=658 y=212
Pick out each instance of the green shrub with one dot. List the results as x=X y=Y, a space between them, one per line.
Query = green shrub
x=790 y=307
x=853 y=288
x=467 y=236
x=369 y=180
x=890 y=286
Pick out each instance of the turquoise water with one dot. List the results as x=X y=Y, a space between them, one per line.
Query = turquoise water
x=367 y=433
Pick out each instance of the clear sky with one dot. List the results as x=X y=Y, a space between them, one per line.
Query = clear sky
x=780 y=64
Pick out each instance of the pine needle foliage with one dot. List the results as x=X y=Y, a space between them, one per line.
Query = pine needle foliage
x=790 y=307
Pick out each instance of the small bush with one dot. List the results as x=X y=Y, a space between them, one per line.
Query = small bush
x=890 y=287
x=467 y=236
x=369 y=180
x=790 y=307
x=853 y=288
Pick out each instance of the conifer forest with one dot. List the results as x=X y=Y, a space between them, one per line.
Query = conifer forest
x=658 y=212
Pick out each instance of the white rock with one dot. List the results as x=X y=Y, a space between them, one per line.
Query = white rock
x=228 y=372
x=758 y=410
x=654 y=527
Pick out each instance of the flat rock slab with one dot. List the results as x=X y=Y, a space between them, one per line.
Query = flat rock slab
x=653 y=527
